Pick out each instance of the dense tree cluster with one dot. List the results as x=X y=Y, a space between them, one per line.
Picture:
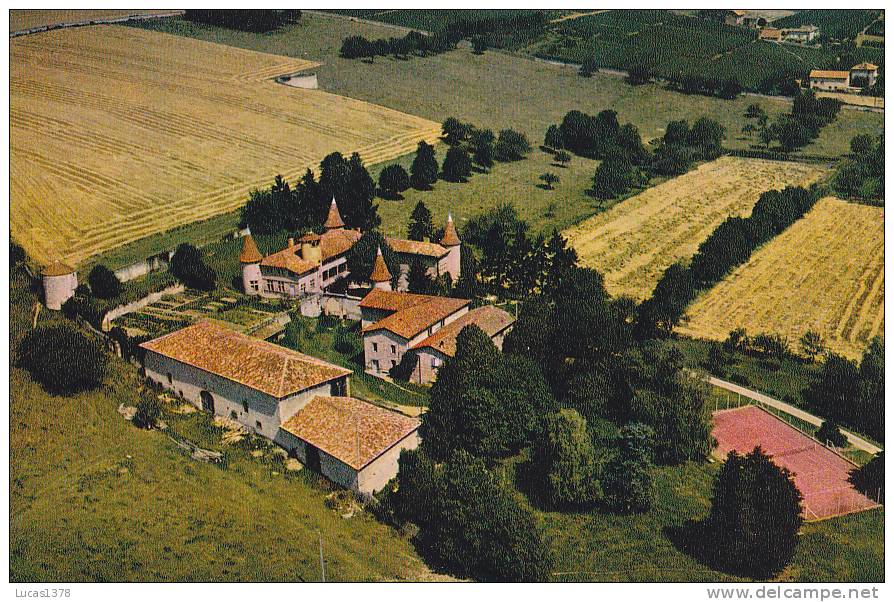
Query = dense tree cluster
x=304 y=207
x=597 y=137
x=469 y=144
x=682 y=145
x=188 y=266
x=256 y=20
x=863 y=175
x=509 y=262
x=850 y=393
x=483 y=31
x=469 y=523
x=62 y=359
x=692 y=83
x=808 y=116
x=752 y=528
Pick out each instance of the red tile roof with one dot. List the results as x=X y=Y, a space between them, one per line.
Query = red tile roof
x=830 y=74
x=414 y=313
x=380 y=271
x=450 y=238
x=492 y=320
x=351 y=430
x=257 y=364
x=333 y=220
x=335 y=242
x=416 y=247
x=289 y=259
x=250 y=253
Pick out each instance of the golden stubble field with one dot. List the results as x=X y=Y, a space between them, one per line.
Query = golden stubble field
x=117 y=133
x=825 y=273
x=636 y=240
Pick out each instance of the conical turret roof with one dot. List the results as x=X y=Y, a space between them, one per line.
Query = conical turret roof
x=380 y=271
x=450 y=238
x=57 y=268
x=250 y=253
x=333 y=220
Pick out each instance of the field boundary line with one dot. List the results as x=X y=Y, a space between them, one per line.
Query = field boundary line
x=855 y=440
x=96 y=21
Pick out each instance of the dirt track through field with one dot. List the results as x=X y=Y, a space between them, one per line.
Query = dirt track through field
x=636 y=240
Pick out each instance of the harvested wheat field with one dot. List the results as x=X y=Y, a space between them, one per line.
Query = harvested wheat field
x=636 y=240
x=28 y=19
x=117 y=133
x=825 y=273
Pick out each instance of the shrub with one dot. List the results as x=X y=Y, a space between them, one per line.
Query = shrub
x=830 y=434
x=627 y=478
x=148 y=412
x=62 y=359
x=103 y=282
x=565 y=461
x=188 y=266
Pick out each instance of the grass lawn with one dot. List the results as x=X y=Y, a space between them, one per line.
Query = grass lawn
x=600 y=546
x=92 y=498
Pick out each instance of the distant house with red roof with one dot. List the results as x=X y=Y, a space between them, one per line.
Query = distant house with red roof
x=316 y=261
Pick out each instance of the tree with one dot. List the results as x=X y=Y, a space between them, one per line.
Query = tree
x=455 y=131
x=563 y=158
x=420 y=226
x=833 y=393
x=791 y=133
x=424 y=170
x=148 y=411
x=62 y=359
x=549 y=179
x=755 y=515
x=638 y=74
x=483 y=401
x=511 y=146
x=479 y=45
x=672 y=159
x=627 y=478
x=553 y=137
x=829 y=434
x=677 y=132
x=393 y=180
x=848 y=180
x=812 y=344
x=482 y=147
x=871 y=415
x=357 y=207
x=419 y=281
x=188 y=266
x=614 y=177
x=588 y=68
x=659 y=314
x=16 y=254
x=457 y=165
x=362 y=257
x=103 y=282
x=707 y=135
x=869 y=479
x=565 y=461
x=862 y=144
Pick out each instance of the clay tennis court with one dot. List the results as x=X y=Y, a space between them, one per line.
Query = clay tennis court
x=819 y=473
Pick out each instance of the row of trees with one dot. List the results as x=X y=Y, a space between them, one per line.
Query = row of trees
x=304 y=207
x=256 y=20
x=794 y=130
x=443 y=39
x=863 y=175
x=730 y=245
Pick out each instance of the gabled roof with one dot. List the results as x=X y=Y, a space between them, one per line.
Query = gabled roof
x=830 y=74
x=250 y=253
x=333 y=220
x=415 y=313
x=353 y=431
x=450 y=238
x=416 y=247
x=380 y=271
x=865 y=67
x=57 y=268
x=492 y=320
x=263 y=366
x=336 y=242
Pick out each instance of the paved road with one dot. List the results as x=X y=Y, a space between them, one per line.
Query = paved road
x=854 y=440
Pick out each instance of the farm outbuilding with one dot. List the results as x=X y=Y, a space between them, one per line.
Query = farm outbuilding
x=350 y=442
x=59 y=284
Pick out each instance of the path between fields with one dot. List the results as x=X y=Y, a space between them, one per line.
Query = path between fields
x=853 y=439
x=97 y=21
x=573 y=16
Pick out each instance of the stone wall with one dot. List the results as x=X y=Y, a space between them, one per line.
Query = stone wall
x=117 y=312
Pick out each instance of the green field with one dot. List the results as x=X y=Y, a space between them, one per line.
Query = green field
x=494 y=90
x=92 y=498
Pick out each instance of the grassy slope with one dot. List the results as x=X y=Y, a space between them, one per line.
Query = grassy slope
x=93 y=498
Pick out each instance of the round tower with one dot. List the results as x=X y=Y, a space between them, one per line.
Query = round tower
x=59 y=284
x=250 y=258
x=310 y=247
x=452 y=243
x=380 y=277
